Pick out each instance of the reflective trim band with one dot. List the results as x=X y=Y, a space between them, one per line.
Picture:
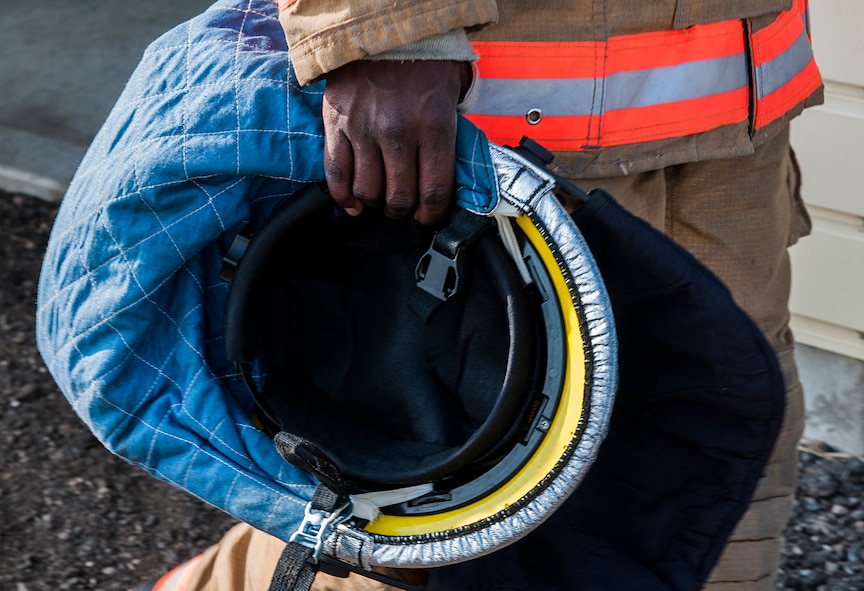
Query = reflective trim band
x=567 y=97
x=651 y=86
x=571 y=133
x=624 y=53
x=785 y=71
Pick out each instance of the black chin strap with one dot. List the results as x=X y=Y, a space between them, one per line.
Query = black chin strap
x=299 y=561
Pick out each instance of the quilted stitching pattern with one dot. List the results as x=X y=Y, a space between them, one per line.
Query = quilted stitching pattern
x=211 y=131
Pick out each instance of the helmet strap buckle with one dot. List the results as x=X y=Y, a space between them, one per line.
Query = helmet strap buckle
x=437 y=274
x=317 y=524
x=302 y=557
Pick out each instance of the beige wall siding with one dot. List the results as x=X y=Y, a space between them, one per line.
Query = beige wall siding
x=828 y=267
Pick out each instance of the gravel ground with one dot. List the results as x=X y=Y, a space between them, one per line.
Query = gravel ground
x=73 y=516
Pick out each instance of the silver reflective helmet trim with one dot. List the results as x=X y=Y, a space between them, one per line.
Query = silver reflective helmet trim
x=529 y=190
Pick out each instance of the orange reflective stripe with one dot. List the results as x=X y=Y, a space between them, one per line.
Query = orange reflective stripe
x=553 y=134
x=536 y=60
x=584 y=59
x=675 y=119
x=649 y=86
x=775 y=105
x=777 y=37
x=669 y=48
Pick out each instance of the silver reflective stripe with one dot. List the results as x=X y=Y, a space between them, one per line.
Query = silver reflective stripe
x=556 y=96
x=775 y=73
x=623 y=90
x=684 y=82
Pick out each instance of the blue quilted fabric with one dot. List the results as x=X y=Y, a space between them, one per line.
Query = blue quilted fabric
x=211 y=131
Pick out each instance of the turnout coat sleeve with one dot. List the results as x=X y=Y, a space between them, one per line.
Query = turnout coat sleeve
x=614 y=105
x=325 y=34
x=130 y=317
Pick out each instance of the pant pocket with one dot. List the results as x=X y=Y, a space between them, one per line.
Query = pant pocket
x=800 y=223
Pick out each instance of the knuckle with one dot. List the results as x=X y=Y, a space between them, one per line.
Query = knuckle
x=368 y=196
x=434 y=206
x=395 y=132
x=394 y=127
x=399 y=205
x=336 y=171
x=436 y=199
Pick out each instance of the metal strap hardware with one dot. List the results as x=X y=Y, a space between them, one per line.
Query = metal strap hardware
x=299 y=561
x=315 y=526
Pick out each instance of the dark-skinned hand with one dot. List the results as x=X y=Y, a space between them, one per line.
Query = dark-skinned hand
x=390 y=136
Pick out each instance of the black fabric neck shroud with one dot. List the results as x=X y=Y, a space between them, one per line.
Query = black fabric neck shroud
x=392 y=397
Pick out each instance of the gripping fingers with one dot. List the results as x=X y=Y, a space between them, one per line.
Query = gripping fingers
x=339 y=171
x=436 y=171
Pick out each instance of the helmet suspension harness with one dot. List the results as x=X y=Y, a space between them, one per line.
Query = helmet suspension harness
x=445 y=397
